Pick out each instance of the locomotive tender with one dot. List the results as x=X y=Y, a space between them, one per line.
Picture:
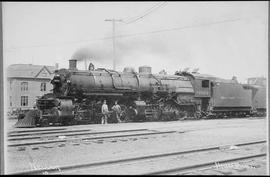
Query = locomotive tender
x=78 y=94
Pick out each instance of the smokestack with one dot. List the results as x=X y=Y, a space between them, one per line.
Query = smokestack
x=73 y=64
x=56 y=65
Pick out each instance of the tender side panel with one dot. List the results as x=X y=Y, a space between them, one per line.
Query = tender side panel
x=231 y=95
x=259 y=100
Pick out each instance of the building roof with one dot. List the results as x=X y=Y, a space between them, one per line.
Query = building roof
x=213 y=78
x=28 y=70
x=203 y=75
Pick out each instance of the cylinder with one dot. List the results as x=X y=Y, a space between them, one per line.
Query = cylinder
x=145 y=70
x=73 y=64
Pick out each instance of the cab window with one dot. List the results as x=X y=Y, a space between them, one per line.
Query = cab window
x=205 y=83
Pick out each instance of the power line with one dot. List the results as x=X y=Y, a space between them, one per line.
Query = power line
x=139 y=18
x=179 y=28
x=147 y=12
x=130 y=18
x=130 y=35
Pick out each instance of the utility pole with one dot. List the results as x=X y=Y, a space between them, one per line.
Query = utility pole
x=85 y=64
x=113 y=22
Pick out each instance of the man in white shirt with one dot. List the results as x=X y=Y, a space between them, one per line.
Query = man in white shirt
x=105 y=112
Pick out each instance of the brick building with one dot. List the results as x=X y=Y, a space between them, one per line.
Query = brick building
x=26 y=83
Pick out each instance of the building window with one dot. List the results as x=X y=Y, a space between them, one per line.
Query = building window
x=24 y=100
x=44 y=73
x=43 y=87
x=24 y=86
x=205 y=83
x=10 y=101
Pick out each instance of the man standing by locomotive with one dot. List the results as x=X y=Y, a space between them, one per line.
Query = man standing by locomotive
x=105 y=112
x=117 y=110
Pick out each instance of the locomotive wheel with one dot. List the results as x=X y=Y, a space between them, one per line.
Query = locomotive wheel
x=198 y=115
x=44 y=123
x=64 y=122
x=124 y=114
x=21 y=116
x=112 y=118
x=73 y=122
x=130 y=115
x=67 y=121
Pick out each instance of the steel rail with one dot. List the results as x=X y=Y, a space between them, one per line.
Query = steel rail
x=68 y=131
x=37 y=130
x=207 y=164
x=44 y=133
x=75 y=134
x=89 y=165
x=91 y=138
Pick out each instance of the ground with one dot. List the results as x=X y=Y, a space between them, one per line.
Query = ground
x=188 y=135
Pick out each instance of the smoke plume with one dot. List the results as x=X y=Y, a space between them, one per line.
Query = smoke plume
x=92 y=53
x=125 y=48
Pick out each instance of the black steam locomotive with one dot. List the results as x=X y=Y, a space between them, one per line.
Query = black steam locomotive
x=78 y=94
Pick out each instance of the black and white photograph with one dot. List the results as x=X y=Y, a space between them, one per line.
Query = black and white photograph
x=135 y=88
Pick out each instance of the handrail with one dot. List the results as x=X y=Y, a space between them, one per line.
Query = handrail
x=108 y=71
x=136 y=75
x=159 y=81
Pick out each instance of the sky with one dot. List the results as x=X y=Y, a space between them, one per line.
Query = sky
x=223 y=39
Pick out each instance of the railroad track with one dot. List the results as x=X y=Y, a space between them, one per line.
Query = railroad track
x=191 y=168
x=136 y=164
x=73 y=133
x=45 y=133
x=36 y=130
x=30 y=143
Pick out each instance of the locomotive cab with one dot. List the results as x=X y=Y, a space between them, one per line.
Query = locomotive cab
x=202 y=85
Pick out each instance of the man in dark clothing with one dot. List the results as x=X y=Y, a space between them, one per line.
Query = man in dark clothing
x=117 y=110
x=56 y=81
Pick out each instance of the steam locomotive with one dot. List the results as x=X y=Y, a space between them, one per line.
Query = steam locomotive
x=78 y=94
